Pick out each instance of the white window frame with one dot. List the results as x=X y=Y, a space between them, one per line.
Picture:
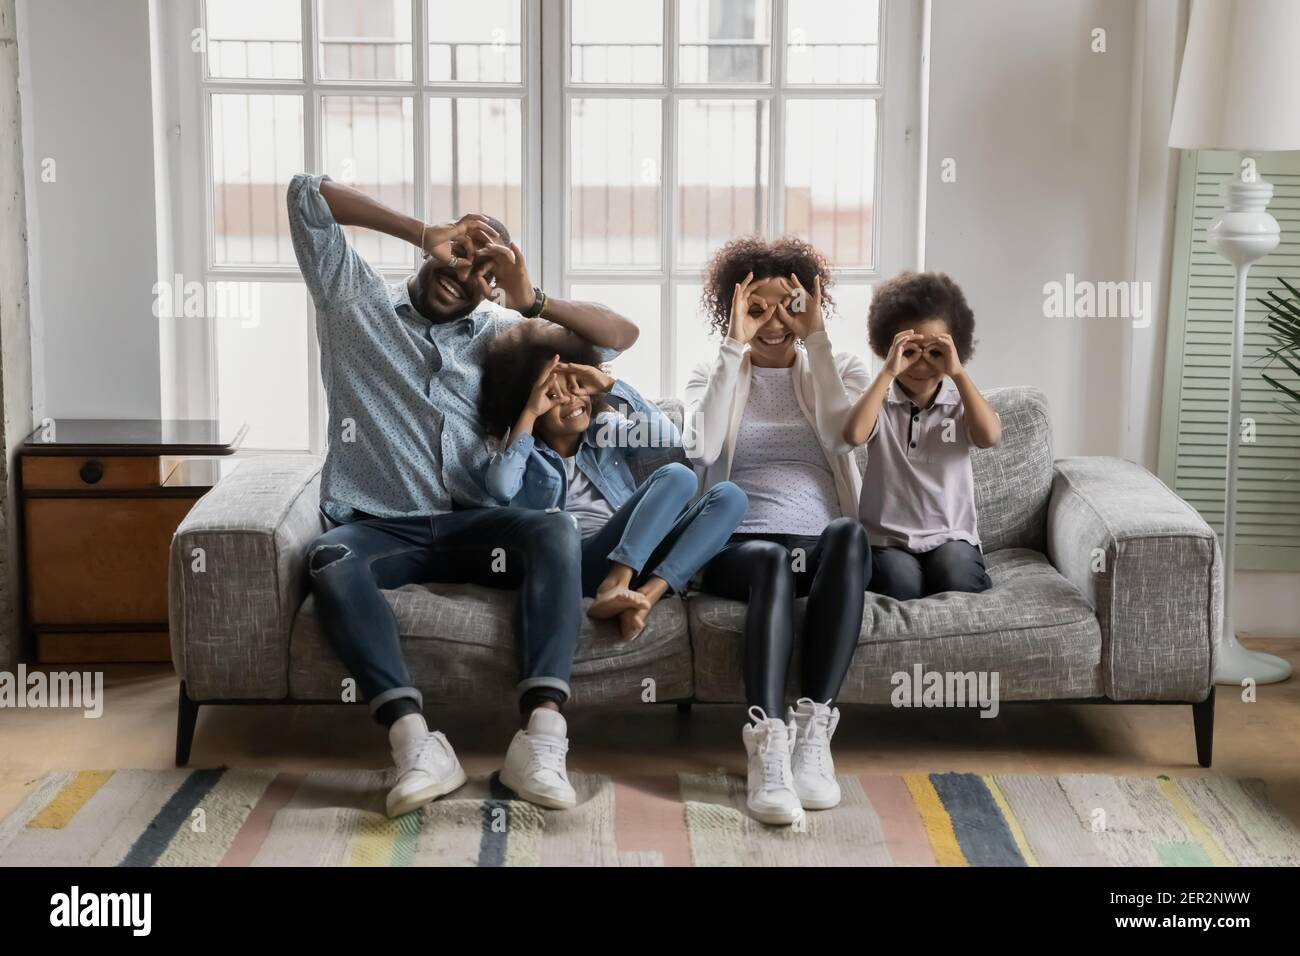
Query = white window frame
x=896 y=205
x=186 y=230
x=193 y=358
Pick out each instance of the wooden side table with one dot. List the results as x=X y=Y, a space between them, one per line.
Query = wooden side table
x=101 y=500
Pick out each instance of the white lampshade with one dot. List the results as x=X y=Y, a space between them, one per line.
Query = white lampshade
x=1239 y=88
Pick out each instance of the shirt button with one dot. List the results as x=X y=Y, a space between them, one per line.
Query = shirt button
x=913 y=444
x=916 y=418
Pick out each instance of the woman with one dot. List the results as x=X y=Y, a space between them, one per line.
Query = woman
x=768 y=414
x=564 y=447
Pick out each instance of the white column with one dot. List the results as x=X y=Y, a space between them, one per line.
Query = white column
x=15 y=328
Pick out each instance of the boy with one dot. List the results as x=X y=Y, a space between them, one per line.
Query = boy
x=920 y=418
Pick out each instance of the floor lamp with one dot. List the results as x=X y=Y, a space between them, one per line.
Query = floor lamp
x=1239 y=89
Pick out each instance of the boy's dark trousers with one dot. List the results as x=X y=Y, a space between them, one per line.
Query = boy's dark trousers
x=906 y=575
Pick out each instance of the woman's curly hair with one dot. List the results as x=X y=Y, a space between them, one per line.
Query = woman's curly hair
x=914 y=297
x=512 y=363
x=766 y=259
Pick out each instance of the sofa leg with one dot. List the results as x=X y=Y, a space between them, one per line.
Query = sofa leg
x=1203 y=721
x=187 y=715
x=684 y=708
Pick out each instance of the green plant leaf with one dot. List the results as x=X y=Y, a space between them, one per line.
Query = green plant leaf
x=1281 y=388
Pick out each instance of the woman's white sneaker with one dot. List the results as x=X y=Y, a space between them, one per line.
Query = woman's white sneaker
x=769 y=743
x=814 y=770
x=427 y=767
x=535 y=762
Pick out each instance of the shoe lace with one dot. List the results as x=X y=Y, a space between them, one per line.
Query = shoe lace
x=430 y=747
x=816 y=750
x=774 y=755
x=548 y=753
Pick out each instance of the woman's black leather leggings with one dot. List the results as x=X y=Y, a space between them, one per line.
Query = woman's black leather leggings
x=769 y=572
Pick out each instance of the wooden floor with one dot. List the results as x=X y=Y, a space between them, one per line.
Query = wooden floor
x=137 y=729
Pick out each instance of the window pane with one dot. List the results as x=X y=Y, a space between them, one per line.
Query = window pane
x=364 y=39
x=724 y=41
x=474 y=43
x=847 y=328
x=254 y=39
x=696 y=343
x=830 y=176
x=721 y=174
x=476 y=160
x=833 y=41
x=262 y=362
x=616 y=42
x=639 y=365
x=256 y=148
x=614 y=182
x=368 y=143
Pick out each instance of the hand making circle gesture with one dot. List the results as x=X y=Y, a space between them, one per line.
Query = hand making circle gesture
x=941 y=352
x=744 y=325
x=548 y=391
x=904 y=352
x=450 y=242
x=502 y=276
x=584 y=379
x=803 y=316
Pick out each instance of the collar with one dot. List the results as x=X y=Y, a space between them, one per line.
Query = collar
x=400 y=297
x=947 y=394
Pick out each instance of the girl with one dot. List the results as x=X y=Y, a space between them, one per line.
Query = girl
x=544 y=395
x=920 y=419
x=768 y=413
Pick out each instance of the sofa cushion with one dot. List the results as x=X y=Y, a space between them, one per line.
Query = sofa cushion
x=458 y=641
x=1013 y=480
x=1033 y=627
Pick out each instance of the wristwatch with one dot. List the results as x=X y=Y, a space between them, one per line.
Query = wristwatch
x=539 y=303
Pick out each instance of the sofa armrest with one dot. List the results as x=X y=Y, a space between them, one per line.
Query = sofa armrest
x=1151 y=568
x=237 y=575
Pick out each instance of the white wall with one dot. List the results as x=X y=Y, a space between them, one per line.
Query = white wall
x=1039 y=128
x=87 y=105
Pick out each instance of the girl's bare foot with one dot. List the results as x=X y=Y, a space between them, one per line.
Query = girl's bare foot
x=612 y=602
x=632 y=621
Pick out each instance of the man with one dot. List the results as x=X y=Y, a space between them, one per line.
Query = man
x=404 y=469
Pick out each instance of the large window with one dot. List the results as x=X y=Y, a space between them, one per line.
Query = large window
x=621 y=142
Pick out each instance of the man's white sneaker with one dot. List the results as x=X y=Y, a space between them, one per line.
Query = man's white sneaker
x=535 y=768
x=769 y=743
x=814 y=770
x=427 y=767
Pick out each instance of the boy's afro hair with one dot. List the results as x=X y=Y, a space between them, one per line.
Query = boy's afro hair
x=911 y=297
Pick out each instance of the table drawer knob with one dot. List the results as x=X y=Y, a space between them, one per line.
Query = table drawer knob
x=91 y=472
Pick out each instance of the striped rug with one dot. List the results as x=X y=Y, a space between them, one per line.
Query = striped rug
x=335 y=818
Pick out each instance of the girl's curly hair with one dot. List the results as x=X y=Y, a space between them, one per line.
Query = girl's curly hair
x=766 y=259
x=512 y=363
x=914 y=297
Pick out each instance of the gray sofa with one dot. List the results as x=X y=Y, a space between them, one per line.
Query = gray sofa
x=1106 y=588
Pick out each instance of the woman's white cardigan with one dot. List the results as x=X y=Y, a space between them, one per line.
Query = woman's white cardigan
x=826 y=385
